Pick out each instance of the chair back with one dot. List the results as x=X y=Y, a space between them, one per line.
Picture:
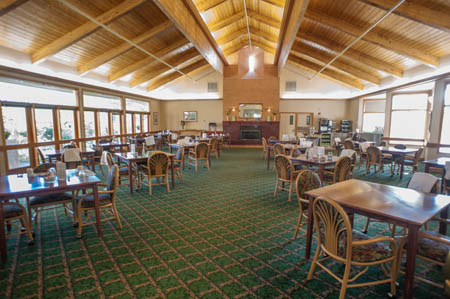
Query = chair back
x=44 y=167
x=201 y=150
x=363 y=146
x=349 y=153
x=264 y=143
x=418 y=155
x=112 y=180
x=333 y=228
x=278 y=149
x=373 y=155
x=307 y=180
x=424 y=182
x=342 y=169
x=272 y=138
x=213 y=144
x=40 y=155
x=348 y=144
x=110 y=160
x=180 y=154
x=98 y=151
x=296 y=152
x=283 y=167
x=158 y=164
x=383 y=143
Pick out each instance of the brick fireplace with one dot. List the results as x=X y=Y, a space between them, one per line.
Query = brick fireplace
x=250 y=132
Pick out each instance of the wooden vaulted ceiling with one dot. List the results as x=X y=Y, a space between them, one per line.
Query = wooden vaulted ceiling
x=188 y=36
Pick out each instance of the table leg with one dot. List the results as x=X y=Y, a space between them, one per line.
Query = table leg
x=130 y=176
x=443 y=225
x=321 y=168
x=413 y=231
x=170 y=148
x=267 y=156
x=218 y=150
x=3 y=249
x=172 y=161
x=97 y=211
x=309 y=229
x=402 y=166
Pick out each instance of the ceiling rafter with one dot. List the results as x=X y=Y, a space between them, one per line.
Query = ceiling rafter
x=175 y=75
x=160 y=68
x=278 y=3
x=373 y=37
x=114 y=52
x=9 y=5
x=325 y=57
x=84 y=30
x=237 y=34
x=352 y=54
x=206 y=5
x=146 y=61
x=233 y=49
x=264 y=19
x=216 y=26
x=327 y=73
x=416 y=12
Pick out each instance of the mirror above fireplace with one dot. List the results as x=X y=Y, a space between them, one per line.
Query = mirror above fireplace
x=253 y=111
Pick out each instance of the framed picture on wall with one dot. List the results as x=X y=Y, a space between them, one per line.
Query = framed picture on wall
x=190 y=115
x=155 y=118
x=308 y=120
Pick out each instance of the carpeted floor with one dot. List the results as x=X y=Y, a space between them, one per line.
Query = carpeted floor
x=220 y=234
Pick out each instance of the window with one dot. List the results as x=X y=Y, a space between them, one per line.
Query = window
x=44 y=125
x=103 y=120
x=18 y=158
x=445 y=130
x=137 y=122
x=129 y=123
x=116 y=124
x=101 y=101
x=409 y=117
x=89 y=124
x=15 y=90
x=67 y=123
x=373 y=116
x=145 y=123
x=15 y=131
x=138 y=106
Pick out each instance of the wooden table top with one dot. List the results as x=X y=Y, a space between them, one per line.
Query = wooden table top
x=111 y=144
x=302 y=158
x=55 y=153
x=393 y=150
x=401 y=204
x=439 y=162
x=129 y=156
x=13 y=186
x=282 y=142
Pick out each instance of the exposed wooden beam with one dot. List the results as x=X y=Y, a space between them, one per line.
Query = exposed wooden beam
x=227 y=21
x=175 y=75
x=208 y=4
x=244 y=42
x=114 y=52
x=9 y=5
x=353 y=54
x=324 y=57
x=279 y=3
x=187 y=19
x=264 y=19
x=146 y=61
x=161 y=68
x=327 y=73
x=416 y=12
x=237 y=34
x=293 y=15
x=84 y=30
x=374 y=37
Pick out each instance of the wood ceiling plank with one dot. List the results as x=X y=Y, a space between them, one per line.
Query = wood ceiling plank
x=114 y=52
x=353 y=54
x=146 y=61
x=264 y=19
x=175 y=75
x=278 y=3
x=233 y=49
x=208 y=4
x=84 y=30
x=237 y=34
x=339 y=64
x=9 y=5
x=416 y=12
x=293 y=15
x=227 y=21
x=161 y=68
x=373 y=37
x=327 y=73
x=188 y=21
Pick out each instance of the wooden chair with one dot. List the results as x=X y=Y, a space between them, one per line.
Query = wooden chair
x=279 y=149
x=411 y=161
x=336 y=240
x=157 y=168
x=264 y=144
x=37 y=204
x=341 y=171
x=123 y=170
x=178 y=163
x=72 y=164
x=272 y=138
x=15 y=211
x=226 y=141
x=106 y=200
x=286 y=173
x=213 y=147
x=41 y=156
x=307 y=180
x=375 y=158
x=348 y=144
x=199 y=154
x=97 y=158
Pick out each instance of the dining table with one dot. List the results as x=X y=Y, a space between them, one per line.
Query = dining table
x=395 y=205
x=313 y=162
x=188 y=147
x=16 y=186
x=289 y=146
x=401 y=153
x=112 y=146
x=131 y=158
x=437 y=163
x=141 y=140
x=56 y=155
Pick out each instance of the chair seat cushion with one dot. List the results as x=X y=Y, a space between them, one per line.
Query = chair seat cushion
x=50 y=198
x=88 y=202
x=433 y=249
x=11 y=210
x=370 y=252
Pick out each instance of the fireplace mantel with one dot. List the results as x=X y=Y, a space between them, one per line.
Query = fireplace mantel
x=268 y=128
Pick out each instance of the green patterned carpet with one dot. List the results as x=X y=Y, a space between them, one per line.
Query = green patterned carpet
x=220 y=234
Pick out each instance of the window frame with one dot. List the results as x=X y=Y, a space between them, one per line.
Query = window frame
x=441 y=124
x=363 y=113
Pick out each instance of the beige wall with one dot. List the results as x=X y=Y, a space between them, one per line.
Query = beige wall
x=155 y=106
x=207 y=111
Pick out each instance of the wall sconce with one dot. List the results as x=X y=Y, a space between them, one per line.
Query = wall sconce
x=269 y=109
x=233 y=109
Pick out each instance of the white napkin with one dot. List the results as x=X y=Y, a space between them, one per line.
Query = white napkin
x=447 y=170
x=347 y=152
x=364 y=146
x=104 y=158
x=150 y=140
x=422 y=182
x=187 y=139
x=174 y=136
x=308 y=143
x=337 y=140
x=72 y=155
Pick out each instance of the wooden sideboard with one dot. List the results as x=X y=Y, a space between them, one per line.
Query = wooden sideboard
x=267 y=129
